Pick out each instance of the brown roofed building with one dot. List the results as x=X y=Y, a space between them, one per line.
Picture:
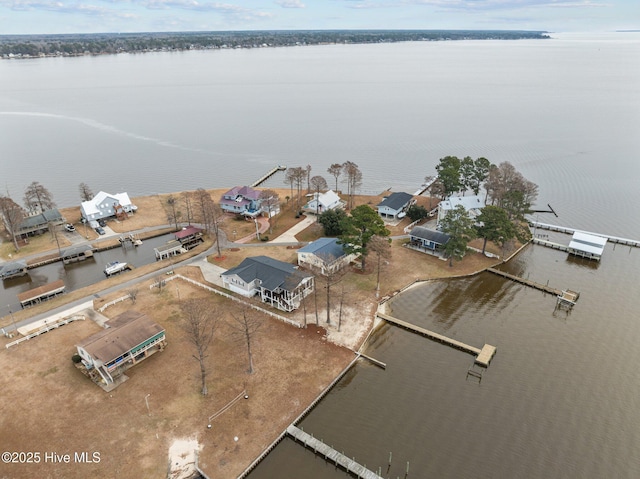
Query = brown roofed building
x=129 y=338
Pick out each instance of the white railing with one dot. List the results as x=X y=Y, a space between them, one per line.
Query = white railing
x=46 y=328
x=115 y=301
x=231 y=297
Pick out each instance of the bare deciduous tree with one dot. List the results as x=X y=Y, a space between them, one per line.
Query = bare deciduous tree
x=173 y=213
x=353 y=179
x=381 y=247
x=85 y=192
x=187 y=197
x=210 y=215
x=200 y=325
x=37 y=198
x=270 y=202
x=133 y=294
x=318 y=183
x=244 y=329
x=335 y=170
x=12 y=215
x=296 y=175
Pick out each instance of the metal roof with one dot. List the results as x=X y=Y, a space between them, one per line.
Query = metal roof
x=431 y=235
x=396 y=201
x=588 y=243
x=324 y=248
x=272 y=273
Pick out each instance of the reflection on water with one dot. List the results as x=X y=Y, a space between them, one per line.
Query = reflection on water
x=559 y=399
x=77 y=275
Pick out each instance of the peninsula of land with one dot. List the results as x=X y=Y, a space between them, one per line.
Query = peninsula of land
x=34 y=46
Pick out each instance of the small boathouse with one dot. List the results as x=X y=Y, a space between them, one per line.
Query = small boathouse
x=587 y=245
x=41 y=293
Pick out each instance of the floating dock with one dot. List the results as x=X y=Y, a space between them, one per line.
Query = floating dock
x=564 y=229
x=483 y=356
x=41 y=293
x=268 y=175
x=527 y=282
x=331 y=454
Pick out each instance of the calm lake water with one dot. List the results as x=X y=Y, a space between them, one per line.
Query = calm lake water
x=560 y=398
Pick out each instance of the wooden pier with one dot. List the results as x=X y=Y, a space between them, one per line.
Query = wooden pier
x=268 y=175
x=564 y=229
x=483 y=356
x=331 y=454
x=425 y=186
x=527 y=282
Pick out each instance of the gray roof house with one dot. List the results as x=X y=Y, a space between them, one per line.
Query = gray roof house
x=105 y=205
x=394 y=204
x=38 y=224
x=324 y=255
x=427 y=240
x=279 y=284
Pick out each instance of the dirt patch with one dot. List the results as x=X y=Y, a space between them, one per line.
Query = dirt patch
x=56 y=408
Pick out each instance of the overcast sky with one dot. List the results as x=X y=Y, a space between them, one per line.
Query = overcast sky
x=90 y=16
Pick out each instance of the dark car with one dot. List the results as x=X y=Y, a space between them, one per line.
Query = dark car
x=99 y=230
x=102 y=222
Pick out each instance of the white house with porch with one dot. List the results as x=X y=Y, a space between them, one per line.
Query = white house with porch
x=105 y=205
x=280 y=284
x=394 y=205
x=324 y=255
x=323 y=202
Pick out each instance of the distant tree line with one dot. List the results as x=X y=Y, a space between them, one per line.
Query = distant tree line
x=110 y=43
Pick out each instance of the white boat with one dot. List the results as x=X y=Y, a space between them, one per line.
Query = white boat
x=115 y=267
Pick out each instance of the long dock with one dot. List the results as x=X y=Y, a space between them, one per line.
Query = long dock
x=268 y=175
x=483 y=356
x=564 y=229
x=527 y=282
x=331 y=454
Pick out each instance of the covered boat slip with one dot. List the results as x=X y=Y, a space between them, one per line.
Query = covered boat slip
x=587 y=245
x=76 y=253
x=172 y=248
x=13 y=269
x=41 y=293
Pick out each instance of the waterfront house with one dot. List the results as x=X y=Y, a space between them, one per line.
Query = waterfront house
x=105 y=205
x=39 y=223
x=427 y=240
x=129 y=338
x=472 y=204
x=280 y=284
x=322 y=202
x=325 y=255
x=393 y=205
x=241 y=200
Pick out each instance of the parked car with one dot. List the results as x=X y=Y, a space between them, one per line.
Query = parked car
x=69 y=227
x=102 y=222
x=99 y=230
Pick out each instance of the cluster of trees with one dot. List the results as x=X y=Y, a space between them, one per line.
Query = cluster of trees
x=509 y=194
x=108 y=43
x=457 y=175
x=298 y=176
x=36 y=199
x=356 y=231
